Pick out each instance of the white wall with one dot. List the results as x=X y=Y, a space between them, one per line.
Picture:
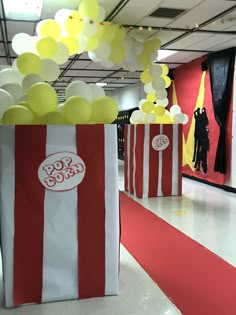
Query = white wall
x=129 y=97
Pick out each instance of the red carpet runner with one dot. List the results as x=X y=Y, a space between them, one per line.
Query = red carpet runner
x=196 y=280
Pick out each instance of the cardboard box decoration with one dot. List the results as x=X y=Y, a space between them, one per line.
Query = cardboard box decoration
x=153 y=160
x=59 y=212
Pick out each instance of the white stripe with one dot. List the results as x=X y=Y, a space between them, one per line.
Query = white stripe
x=128 y=156
x=175 y=161
x=60 y=260
x=146 y=154
x=7 y=193
x=134 y=159
x=159 y=190
x=112 y=211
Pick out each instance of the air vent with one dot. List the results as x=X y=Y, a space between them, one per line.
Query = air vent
x=167 y=13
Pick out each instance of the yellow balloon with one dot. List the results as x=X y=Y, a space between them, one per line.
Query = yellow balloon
x=77 y=110
x=104 y=110
x=74 y=23
x=145 y=77
x=42 y=98
x=165 y=119
x=28 y=63
x=149 y=46
x=53 y=118
x=49 y=28
x=144 y=58
x=147 y=107
x=47 y=47
x=117 y=52
x=72 y=44
x=17 y=115
x=156 y=42
x=151 y=97
x=119 y=32
x=92 y=43
x=159 y=110
x=89 y=8
x=109 y=32
x=168 y=81
x=165 y=70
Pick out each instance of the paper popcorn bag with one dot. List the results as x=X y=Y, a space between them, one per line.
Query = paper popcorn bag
x=59 y=212
x=153 y=160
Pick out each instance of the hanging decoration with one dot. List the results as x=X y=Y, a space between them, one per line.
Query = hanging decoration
x=74 y=32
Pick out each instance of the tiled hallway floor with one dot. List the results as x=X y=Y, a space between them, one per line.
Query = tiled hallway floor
x=204 y=213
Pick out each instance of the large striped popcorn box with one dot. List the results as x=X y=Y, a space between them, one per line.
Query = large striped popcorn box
x=59 y=212
x=153 y=160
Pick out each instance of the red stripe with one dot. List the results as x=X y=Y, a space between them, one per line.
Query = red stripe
x=139 y=160
x=153 y=162
x=126 y=157
x=91 y=211
x=131 y=160
x=30 y=146
x=167 y=158
x=180 y=154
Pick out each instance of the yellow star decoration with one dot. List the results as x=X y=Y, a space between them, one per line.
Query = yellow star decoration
x=149 y=29
x=181 y=212
x=140 y=28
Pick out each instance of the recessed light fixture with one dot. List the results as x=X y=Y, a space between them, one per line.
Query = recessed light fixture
x=101 y=83
x=23 y=9
x=164 y=53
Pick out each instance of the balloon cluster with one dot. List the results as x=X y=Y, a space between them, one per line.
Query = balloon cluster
x=85 y=104
x=149 y=113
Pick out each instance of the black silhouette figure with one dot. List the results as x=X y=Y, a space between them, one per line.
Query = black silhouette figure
x=201 y=140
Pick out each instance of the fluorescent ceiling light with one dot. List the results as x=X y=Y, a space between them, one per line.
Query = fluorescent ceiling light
x=101 y=83
x=162 y=54
x=23 y=9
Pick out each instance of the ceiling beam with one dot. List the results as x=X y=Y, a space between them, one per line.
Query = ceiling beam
x=117 y=10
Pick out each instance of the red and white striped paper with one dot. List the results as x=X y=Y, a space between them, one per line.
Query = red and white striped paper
x=150 y=172
x=59 y=245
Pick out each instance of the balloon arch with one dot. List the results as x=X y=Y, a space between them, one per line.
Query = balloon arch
x=27 y=97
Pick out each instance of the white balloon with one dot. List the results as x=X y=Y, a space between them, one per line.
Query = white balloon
x=175 y=109
x=137 y=116
x=89 y=26
x=150 y=118
x=148 y=88
x=50 y=70
x=22 y=43
x=30 y=80
x=15 y=90
x=6 y=100
x=161 y=94
x=155 y=71
x=102 y=14
x=103 y=51
x=107 y=63
x=92 y=55
x=163 y=103
x=128 y=43
x=186 y=119
x=10 y=75
x=79 y=88
x=60 y=108
x=97 y=91
x=62 y=54
x=138 y=47
x=82 y=44
x=62 y=15
x=158 y=83
x=179 y=118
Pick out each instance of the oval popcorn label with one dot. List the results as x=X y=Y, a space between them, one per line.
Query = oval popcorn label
x=61 y=171
x=160 y=142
